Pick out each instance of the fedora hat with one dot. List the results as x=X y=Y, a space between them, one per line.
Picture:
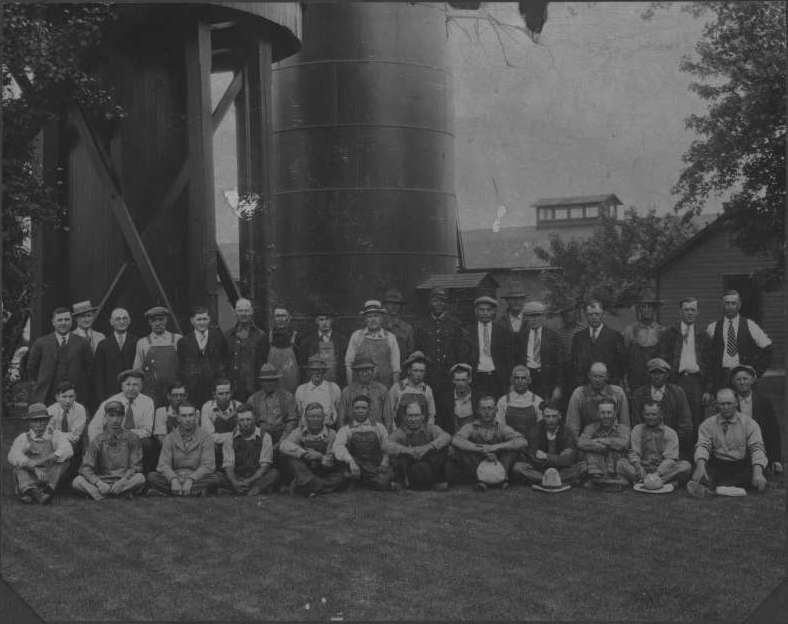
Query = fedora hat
x=82 y=307
x=37 y=411
x=551 y=482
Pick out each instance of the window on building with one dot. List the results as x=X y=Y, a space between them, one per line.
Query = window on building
x=576 y=213
x=592 y=212
x=545 y=214
x=562 y=213
x=750 y=293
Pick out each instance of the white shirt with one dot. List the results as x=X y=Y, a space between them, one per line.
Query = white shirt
x=516 y=322
x=758 y=335
x=142 y=410
x=120 y=339
x=485 y=364
x=17 y=455
x=745 y=404
x=91 y=335
x=657 y=393
x=594 y=333
x=208 y=415
x=77 y=418
x=533 y=359
x=202 y=339
x=688 y=363
x=327 y=394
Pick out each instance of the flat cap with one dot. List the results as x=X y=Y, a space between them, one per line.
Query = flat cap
x=114 y=406
x=362 y=362
x=316 y=362
x=393 y=295
x=36 y=411
x=131 y=372
x=462 y=366
x=439 y=293
x=743 y=367
x=485 y=299
x=534 y=307
x=269 y=372
x=659 y=364
x=157 y=311
x=416 y=356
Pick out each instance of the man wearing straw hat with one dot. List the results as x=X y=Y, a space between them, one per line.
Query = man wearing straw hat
x=39 y=457
x=84 y=313
x=376 y=343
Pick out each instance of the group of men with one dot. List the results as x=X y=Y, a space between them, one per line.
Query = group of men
x=397 y=406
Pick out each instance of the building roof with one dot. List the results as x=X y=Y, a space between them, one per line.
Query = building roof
x=708 y=225
x=455 y=280
x=577 y=200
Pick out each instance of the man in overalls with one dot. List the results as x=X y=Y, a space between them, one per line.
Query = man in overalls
x=376 y=343
x=157 y=356
x=519 y=408
x=363 y=384
x=326 y=342
x=248 y=458
x=483 y=438
x=412 y=388
x=360 y=445
x=418 y=451
x=282 y=349
x=319 y=390
x=310 y=458
x=39 y=457
x=641 y=341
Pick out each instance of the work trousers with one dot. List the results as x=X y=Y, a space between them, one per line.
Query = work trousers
x=47 y=476
x=678 y=470
x=313 y=478
x=159 y=482
x=529 y=474
x=262 y=485
x=420 y=473
x=461 y=465
x=736 y=473
x=134 y=485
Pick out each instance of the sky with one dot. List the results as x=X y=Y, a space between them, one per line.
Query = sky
x=597 y=106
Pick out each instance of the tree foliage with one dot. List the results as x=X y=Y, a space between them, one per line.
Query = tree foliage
x=739 y=68
x=617 y=263
x=48 y=52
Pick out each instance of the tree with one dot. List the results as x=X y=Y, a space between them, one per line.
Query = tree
x=617 y=263
x=47 y=53
x=740 y=69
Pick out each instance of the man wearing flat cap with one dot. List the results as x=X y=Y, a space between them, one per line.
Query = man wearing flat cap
x=318 y=390
x=363 y=384
x=157 y=356
x=491 y=353
x=752 y=403
x=112 y=463
x=138 y=415
x=411 y=388
x=541 y=352
x=512 y=318
x=326 y=342
x=274 y=407
x=39 y=457
x=440 y=337
x=393 y=302
x=84 y=313
x=376 y=343
x=674 y=408
x=247 y=347
x=60 y=356
x=641 y=340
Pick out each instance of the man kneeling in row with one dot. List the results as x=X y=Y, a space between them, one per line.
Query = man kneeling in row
x=310 y=458
x=112 y=464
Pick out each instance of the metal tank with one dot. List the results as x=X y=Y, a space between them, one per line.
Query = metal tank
x=363 y=184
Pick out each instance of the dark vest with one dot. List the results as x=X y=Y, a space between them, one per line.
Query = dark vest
x=247 y=455
x=745 y=343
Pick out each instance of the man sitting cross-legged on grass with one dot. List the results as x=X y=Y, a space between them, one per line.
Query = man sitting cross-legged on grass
x=483 y=439
x=39 y=457
x=418 y=451
x=248 y=457
x=654 y=450
x=112 y=464
x=729 y=451
x=604 y=442
x=310 y=458
x=360 y=445
x=187 y=463
x=550 y=445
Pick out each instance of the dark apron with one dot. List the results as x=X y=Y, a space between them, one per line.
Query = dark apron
x=366 y=450
x=160 y=369
x=380 y=353
x=284 y=360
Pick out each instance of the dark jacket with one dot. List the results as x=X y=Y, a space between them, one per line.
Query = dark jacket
x=566 y=445
x=42 y=364
x=763 y=414
x=749 y=352
x=199 y=370
x=500 y=349
x=675 y=409
x=609 y=349
x=244 y=360
x=518 y=337
x=550 y=356
x=444 y=343
x=444 y=409
x=309 y=345
x=110 y=361
x=669 y=349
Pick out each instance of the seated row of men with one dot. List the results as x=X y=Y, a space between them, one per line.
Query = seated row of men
x=315 y=459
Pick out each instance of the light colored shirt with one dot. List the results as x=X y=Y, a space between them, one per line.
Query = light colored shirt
x=193 y=457
x=358 y=336
x=731 y=440
x=377 y=393
x=210 y=412
x=341 y=451
x=516 y=322
x=688 y=362
x=293 y=444
x=142 y=410
x=395 y=394
x=485 y=363
x=515 y=399
x=111 y=455
x=463 y=408
x=582 y=408
x=18 y=455
x=76 y=420
x=266 y=449
x=160 y=419
x=91 y=335
x=758 y=335
x=657 y=393
x=533 y=359
x=327 y=394
x=165 y=339
x=120 y=339
x=400 y=440
x=202 y=339
x=645 y=443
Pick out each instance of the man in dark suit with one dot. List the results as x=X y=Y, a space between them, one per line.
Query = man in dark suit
x=326 y=342
x=597 y=343
x=247 y=347
x=687 y=349
x=60 y=356
x=512 y=320
x=114 y=355
x=541 y=352
x=491 y=351
x=758 y=407
x=202 y=357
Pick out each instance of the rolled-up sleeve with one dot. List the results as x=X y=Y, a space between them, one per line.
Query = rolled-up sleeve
x=291 y=444
x=267 y=451
x=705 y=436
x=63 y=448
x=340 y=449
x=16 y=455
x=755 y=443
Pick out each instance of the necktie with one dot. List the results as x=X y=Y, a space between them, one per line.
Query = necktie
x=685 y=335
x=594 y=334
x=486 y=338
x=731 y=342
x=89 y=336
x=64 y=423
x=121 y=340
x=62 y=341
x=128 y=423
x=537 y=346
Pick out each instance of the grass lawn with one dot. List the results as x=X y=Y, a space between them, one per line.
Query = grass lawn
x=515 y=554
